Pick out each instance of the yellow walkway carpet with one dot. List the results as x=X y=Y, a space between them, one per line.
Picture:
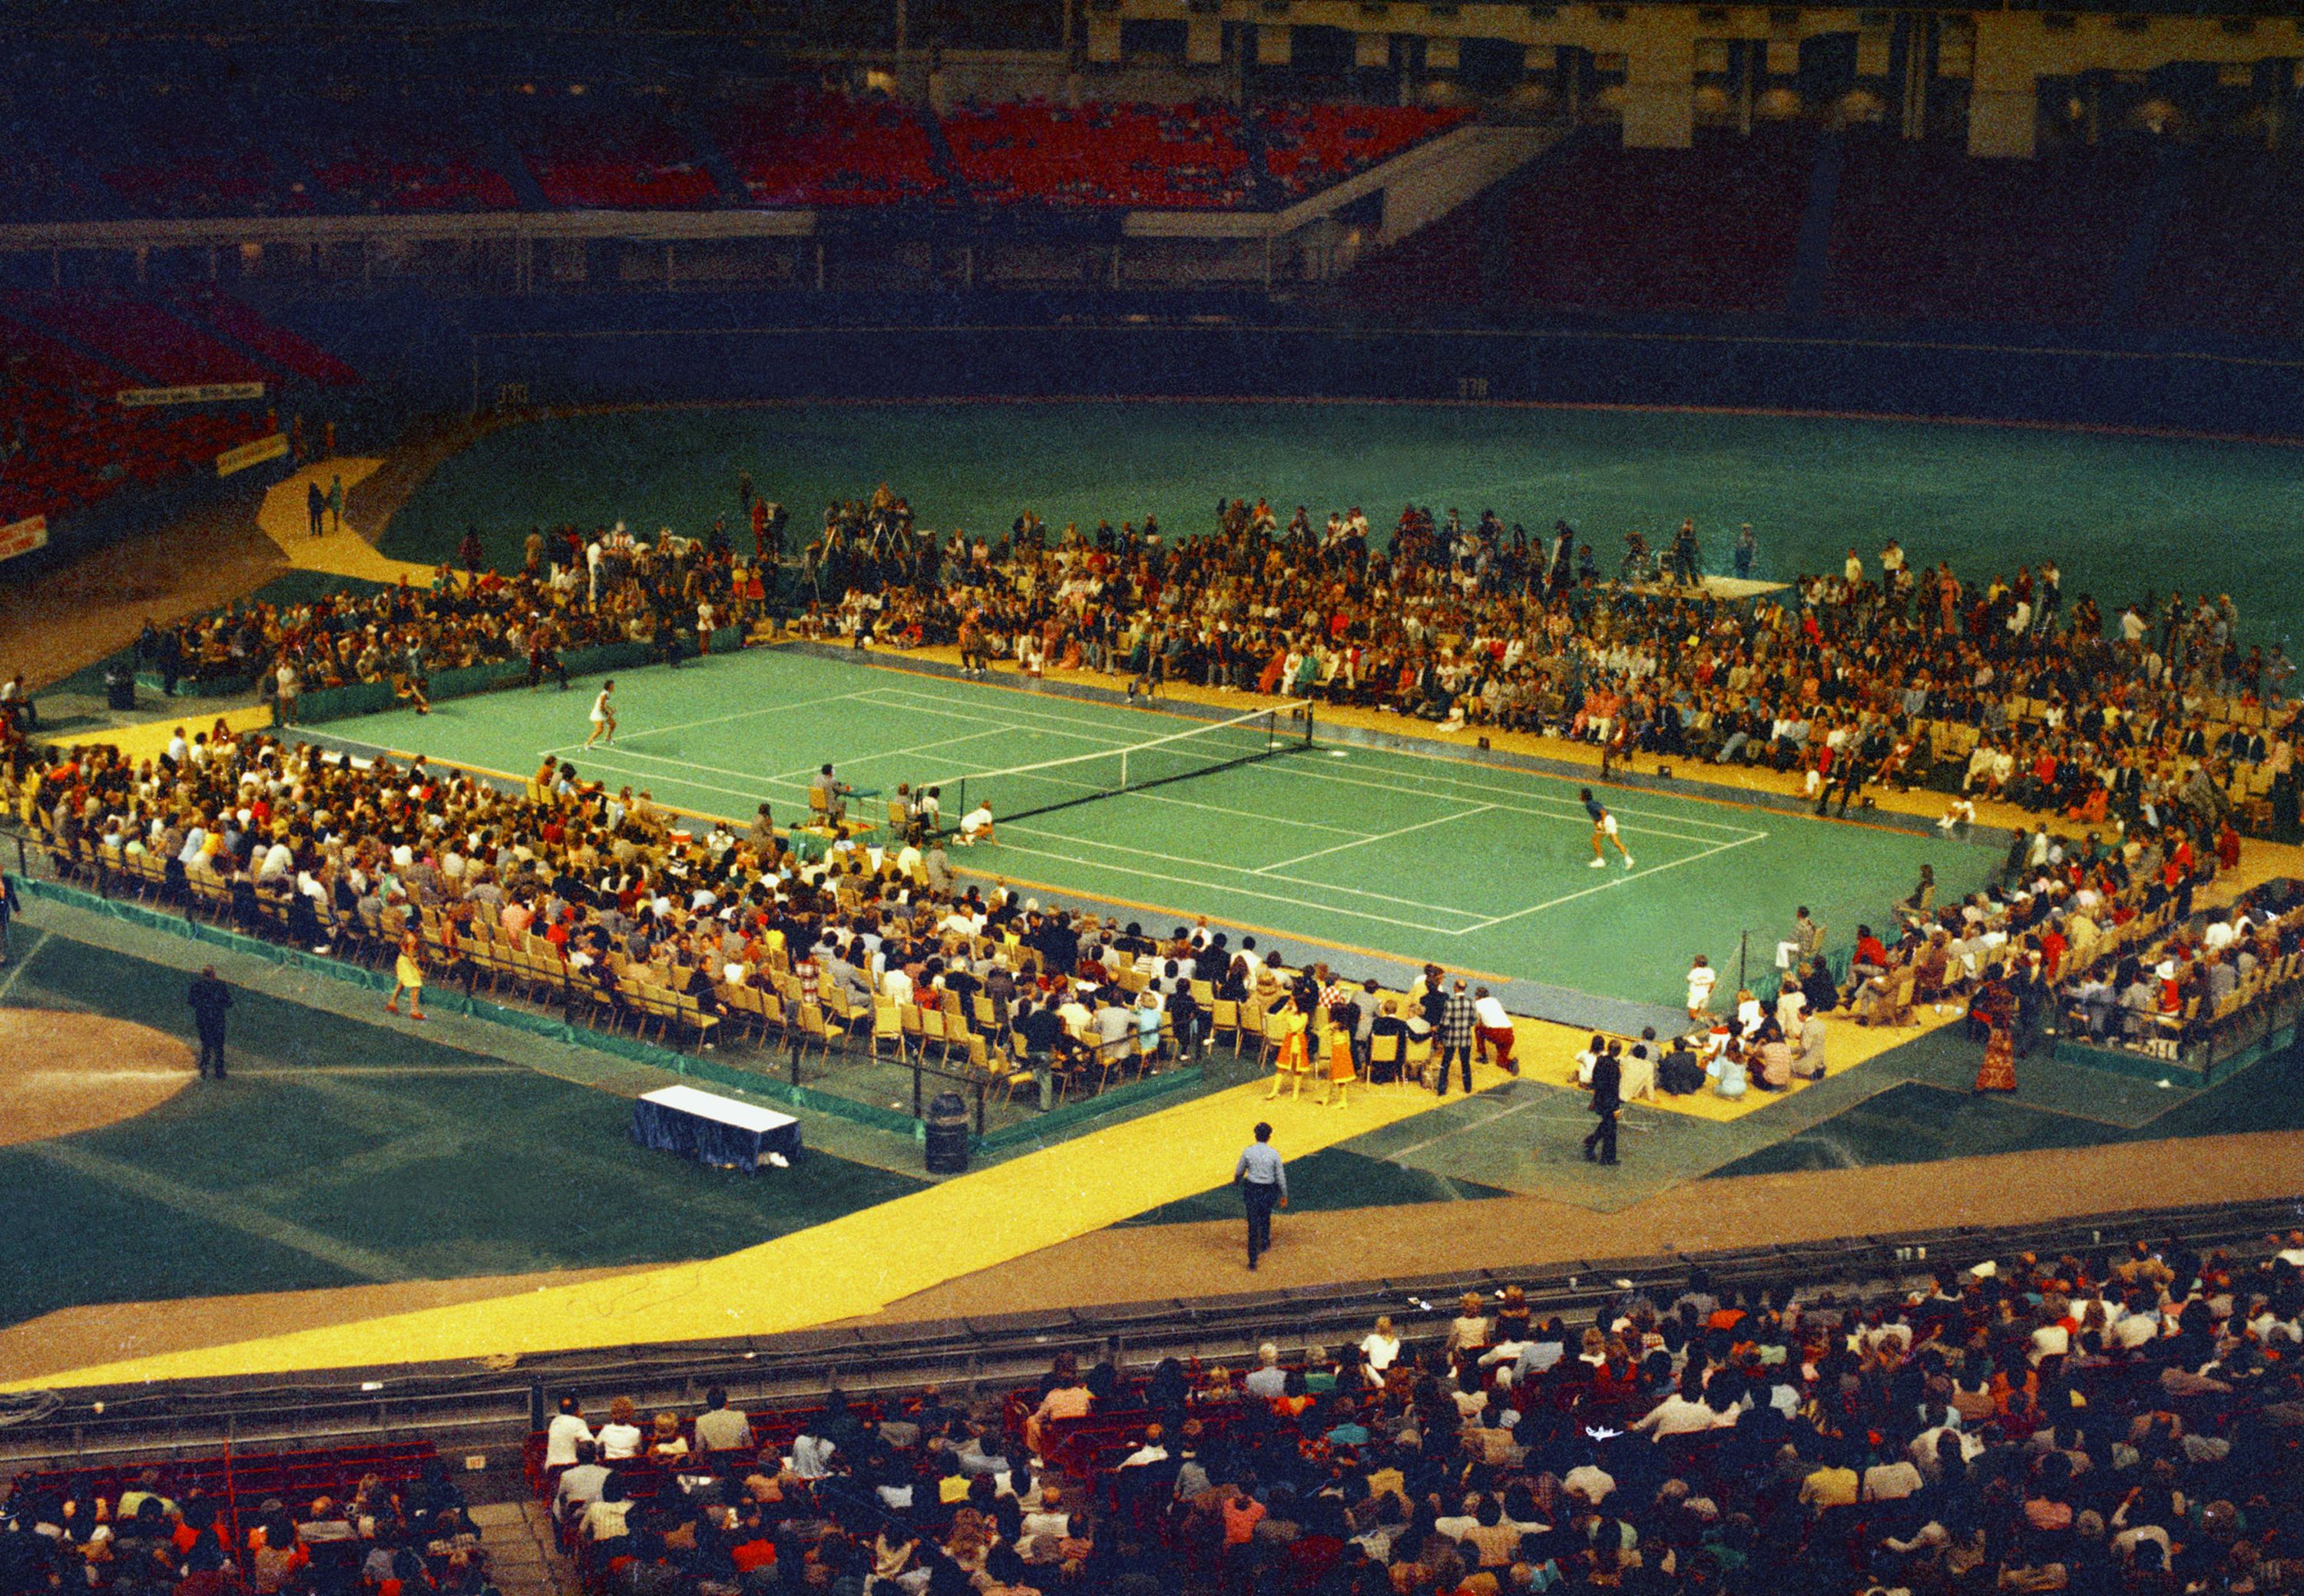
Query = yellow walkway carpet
x=853 y=1266
x=342 y=551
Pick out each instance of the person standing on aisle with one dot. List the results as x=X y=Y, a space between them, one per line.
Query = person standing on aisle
x=9 y=909
x=336 y=501
x=210 y=999
x=1459 y=1023
x=316 y=507
x=1607 y=1084
x=1263 y=1181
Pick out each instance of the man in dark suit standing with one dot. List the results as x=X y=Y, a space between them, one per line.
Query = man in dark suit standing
x=1607 y=1084
x=210 y=999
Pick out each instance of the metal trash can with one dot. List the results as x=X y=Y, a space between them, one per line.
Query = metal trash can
x=119 y=688
x=947 y=1134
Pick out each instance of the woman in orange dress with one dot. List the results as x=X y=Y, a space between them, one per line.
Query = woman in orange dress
x=1341 y=1072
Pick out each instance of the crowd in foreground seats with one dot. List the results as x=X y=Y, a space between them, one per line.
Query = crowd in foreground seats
x=290 y=1525
x=594 y=899
x=2127 y=1421
x=1880 y=673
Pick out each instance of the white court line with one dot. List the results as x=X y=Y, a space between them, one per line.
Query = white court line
x=1654 y=869
x=1398 y=1153
x=1204 y=886
x=1217 y=809
x=1118 y=737
x=1237 y=870
x=1294 y=768
x=1244 y=814
x=701 y=786
x=22 y=958
x=682 y=725
x=1111 y=742
x=1380 y=837
x=1571 y=806
x=897 y=753
x=666 y=759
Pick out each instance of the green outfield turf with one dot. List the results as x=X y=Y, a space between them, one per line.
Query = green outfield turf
x=345 y=1154
x=2122 y=514
x=1416 y=857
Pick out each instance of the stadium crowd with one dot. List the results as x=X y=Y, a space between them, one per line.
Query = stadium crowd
x=2124 y=1420
x=2088 y=937
x=155 y=1536
x=574 y=589
x=332 y=853
x=1884 y=672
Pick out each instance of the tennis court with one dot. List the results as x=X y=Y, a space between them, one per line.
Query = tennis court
x=1416 y=857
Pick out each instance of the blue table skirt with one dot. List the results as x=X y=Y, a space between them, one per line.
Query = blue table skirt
x=709 y=1141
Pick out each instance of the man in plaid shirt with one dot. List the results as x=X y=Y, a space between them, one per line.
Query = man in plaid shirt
x=1458 y=1021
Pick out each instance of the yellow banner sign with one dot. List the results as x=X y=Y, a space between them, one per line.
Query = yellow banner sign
x=252 y=454
x=198 y=393
x=23 y=536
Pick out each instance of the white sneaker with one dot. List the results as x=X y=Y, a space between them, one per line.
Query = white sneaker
x=1627 y=862
x=1598 y=864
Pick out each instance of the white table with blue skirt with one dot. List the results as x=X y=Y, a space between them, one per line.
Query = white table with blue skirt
x=718 y=1131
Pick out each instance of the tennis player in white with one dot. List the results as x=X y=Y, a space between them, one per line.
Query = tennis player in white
x=603 y=716
x=1603 y=826
x=976 y=826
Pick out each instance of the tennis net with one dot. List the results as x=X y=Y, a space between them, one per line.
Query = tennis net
x=1084 y=779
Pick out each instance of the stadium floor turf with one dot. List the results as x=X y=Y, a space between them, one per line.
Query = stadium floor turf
x=2122 y=514
x=1415 y=857
x=340 y=1153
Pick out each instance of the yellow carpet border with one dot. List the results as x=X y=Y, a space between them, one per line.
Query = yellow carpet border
x=847 y=1268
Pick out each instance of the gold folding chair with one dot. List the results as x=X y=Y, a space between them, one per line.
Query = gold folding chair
x=1383 y=1049
x=887 y=1026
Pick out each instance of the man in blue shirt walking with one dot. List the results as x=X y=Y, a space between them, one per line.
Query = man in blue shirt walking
x=1263 y=1181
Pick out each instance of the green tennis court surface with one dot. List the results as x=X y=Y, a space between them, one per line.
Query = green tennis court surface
x=1422 y=858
